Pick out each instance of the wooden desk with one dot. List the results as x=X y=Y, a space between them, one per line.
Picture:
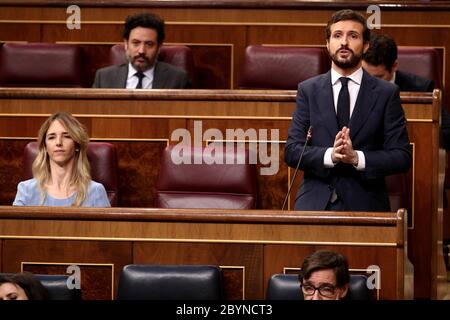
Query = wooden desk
x=141 y=124
x=249 y=246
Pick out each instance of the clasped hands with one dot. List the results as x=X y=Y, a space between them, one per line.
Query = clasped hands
x=343 y=148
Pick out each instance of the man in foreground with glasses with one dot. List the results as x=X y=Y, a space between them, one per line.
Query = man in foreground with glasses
x=324 y=276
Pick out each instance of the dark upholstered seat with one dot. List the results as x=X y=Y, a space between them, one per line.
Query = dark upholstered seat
x=170 y=282
x=40 y=65
x=225 y=186
x=273 y=67
x=421 y=61
x=102 y=158
x=287 y=287
x=57 y=288
x=180 y=56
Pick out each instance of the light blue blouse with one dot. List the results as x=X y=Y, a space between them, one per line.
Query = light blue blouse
x=28 y=194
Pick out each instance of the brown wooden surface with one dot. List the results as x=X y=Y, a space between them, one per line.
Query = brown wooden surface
x=145 y=120
x=247 y=245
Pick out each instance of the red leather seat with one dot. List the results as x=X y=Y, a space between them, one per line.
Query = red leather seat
x=424 y=62
x=179 y=56
x=225 y=186
x=102 y=157
x=282 y=68
x=40 y=65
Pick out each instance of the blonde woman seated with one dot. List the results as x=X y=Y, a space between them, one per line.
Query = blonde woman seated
x=61 y=169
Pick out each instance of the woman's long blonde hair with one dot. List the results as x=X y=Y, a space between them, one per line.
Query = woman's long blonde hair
x=81 y=176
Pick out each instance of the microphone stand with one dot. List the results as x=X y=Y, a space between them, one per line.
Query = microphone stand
x=308 y=137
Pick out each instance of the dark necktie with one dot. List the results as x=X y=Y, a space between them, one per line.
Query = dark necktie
x=140 y=76
x=343 y=104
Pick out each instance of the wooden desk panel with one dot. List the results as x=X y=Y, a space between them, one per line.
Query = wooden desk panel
x=248 y=245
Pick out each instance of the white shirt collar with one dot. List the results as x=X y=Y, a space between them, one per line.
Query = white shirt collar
x=355 y=76
x=132 y=71
x=393 y=78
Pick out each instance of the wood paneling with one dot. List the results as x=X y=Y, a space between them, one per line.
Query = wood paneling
x=96 y=279
x=248 y=244
x=54 y=252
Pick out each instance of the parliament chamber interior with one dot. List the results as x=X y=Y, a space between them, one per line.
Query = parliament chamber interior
x=221 y=223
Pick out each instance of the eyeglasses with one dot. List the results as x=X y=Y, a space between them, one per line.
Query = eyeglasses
x=326 y=290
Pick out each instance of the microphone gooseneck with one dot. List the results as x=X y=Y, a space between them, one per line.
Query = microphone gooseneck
x=308 y=138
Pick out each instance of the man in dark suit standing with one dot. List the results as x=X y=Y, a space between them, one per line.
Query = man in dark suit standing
x=359 y=128
x=143 y=37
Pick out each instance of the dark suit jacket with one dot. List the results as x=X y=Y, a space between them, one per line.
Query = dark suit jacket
x=412 y=83
x=165 y=76
x=377 y=127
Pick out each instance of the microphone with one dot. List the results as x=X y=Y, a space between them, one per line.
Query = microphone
x=308 y=138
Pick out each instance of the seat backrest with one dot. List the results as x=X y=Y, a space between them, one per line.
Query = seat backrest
x=102 y=158
x=58 y=288
x=40 y=65
x=170 y=282
x=421 y=61
x=399 y=196
x=225 y=186
x=281 y=68
x=287 y=287
x=177 y=55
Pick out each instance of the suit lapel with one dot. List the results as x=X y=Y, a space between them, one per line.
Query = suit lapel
x=122 y=75
x=158 y=76
x=326 y=104
x=364 y=104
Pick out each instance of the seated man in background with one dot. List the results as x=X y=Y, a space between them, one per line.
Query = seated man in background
x=324 y=276
x=143 y=37
x=380 y=60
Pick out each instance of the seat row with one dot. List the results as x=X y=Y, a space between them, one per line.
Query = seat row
x=264 y=67
x=189 y=282
x=232 y=184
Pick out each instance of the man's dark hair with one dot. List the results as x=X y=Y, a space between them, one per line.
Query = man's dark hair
x=348 y=14
x=321 y=260
x=382 y=51
x=32 y=287
x=145 y=20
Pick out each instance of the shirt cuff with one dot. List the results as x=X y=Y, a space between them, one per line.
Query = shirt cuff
x=327 y=161
x=361 y=161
